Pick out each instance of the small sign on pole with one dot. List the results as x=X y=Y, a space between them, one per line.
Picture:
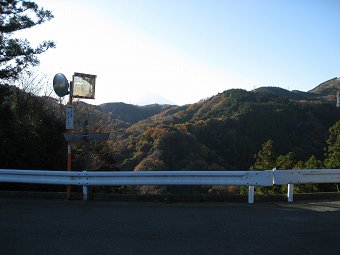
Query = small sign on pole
x=69 y=117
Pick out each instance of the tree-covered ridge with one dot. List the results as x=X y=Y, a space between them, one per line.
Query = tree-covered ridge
x=225 y=131
x=222 y=132
x=329 y=87
x=293 y=95
x=132 y=113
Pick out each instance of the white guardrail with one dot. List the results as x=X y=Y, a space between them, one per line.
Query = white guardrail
x=292 y=177
x=221 y=178
x=226 y=178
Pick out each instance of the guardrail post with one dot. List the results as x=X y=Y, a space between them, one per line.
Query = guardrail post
x=85 y=190
x=250 y=194
x=85 y=193
x=290 y=192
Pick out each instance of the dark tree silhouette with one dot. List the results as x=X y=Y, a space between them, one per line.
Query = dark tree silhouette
x=17 y=54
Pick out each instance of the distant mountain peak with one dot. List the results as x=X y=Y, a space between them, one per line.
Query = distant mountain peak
x=328 y=87
x=294 y=94
x=152 y=98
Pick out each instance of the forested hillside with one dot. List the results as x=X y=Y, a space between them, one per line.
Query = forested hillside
x=222 y=132
x=30 y=131
x=225 y=131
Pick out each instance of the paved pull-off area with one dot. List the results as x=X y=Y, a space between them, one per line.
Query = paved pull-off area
x=75 y=227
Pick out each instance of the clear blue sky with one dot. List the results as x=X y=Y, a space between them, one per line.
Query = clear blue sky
x=187 y=50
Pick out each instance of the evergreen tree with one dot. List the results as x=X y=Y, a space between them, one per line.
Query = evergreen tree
x=313 y=163
x=17 y=54
x=332 y=159
x=265 y=159
x=287 y=161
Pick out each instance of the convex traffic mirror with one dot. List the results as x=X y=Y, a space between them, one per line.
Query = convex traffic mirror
x=60 y=85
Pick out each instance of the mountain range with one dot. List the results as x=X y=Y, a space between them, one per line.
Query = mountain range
x=129 y=114
x=221 y=132
x=224 y=131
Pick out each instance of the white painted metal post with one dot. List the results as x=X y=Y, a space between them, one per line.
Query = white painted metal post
x=85 y=193
x=250 y=194
x=290 y=193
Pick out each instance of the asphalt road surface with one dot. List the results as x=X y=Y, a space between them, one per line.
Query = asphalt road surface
x=47 y=227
